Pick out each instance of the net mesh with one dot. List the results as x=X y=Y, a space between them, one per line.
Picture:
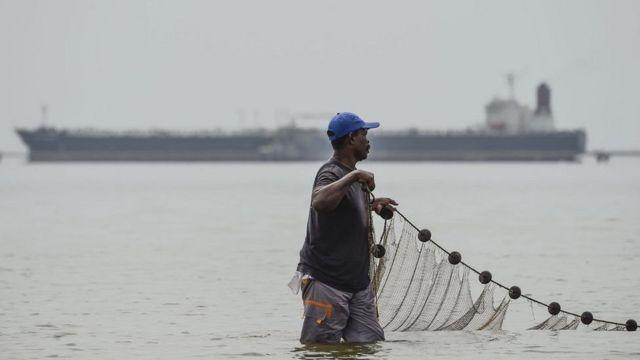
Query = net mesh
x=418 y=289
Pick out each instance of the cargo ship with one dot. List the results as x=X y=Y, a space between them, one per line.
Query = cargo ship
x=511 y=132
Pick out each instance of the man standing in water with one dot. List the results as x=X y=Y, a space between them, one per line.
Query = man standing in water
x=334 y=261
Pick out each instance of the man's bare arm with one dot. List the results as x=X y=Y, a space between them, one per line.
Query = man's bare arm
x=327 y=197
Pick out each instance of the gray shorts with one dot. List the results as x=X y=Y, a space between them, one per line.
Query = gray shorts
x=331 y=315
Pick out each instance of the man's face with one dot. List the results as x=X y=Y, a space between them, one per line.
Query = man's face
x=360 y=144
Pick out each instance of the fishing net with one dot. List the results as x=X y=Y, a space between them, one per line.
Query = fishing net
x=421 y=286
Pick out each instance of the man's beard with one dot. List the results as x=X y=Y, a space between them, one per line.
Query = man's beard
x=364 y=154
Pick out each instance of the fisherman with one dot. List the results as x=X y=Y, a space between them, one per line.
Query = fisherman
x=334 y=261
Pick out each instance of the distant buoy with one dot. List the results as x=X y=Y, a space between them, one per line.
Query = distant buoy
x=455 y=258
x=631 y=325
x=554 y=308
x=484 y=277
x=386 y=213
x=586 y=318
x=378 y=251
x=424 y=235
x=514 y=292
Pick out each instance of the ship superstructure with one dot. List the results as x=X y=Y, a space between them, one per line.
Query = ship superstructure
x=509 y=116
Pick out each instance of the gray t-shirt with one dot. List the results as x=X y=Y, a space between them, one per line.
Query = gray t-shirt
x=336 y=248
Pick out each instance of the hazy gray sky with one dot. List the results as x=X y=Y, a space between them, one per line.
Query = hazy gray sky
x=239 y=64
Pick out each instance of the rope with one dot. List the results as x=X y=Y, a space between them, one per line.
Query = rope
x=373 y=268
x=493 y=281
x=370 y=239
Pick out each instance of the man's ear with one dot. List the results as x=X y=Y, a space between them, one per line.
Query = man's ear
x=351 y=135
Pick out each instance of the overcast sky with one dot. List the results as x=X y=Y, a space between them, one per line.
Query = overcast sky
x=243 y=64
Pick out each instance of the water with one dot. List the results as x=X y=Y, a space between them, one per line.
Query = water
x=105 y=261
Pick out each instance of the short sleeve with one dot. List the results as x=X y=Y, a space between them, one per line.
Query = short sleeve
x=326 y=176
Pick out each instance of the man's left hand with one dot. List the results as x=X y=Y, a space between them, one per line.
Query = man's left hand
x=379 y=203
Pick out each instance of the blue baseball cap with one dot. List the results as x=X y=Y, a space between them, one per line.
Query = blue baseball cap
x=345 y=122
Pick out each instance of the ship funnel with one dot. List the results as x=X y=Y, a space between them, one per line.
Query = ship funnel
x=543 y=106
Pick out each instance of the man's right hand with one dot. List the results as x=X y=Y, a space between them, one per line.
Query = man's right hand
x=364 y=177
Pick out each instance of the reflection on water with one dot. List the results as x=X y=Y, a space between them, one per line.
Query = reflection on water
x=339 y=351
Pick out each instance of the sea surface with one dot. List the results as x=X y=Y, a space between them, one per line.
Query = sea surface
x=191 y=260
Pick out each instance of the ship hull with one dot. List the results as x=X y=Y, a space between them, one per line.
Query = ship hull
x=139 y=156
x=463 y=146
x=470 y=156
x=49 y=145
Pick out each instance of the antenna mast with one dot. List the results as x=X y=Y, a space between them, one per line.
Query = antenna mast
x=44 y=110
x=511 y=79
